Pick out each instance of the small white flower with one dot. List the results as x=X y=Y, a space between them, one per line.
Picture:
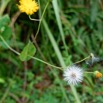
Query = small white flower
x=73 y=75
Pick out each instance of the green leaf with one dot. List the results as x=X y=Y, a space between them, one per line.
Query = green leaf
x=5 y=29
x=28 y=51
x=4 y=21
x=7 y=33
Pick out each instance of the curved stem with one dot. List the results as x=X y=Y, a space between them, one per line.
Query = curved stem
x=28 y=55
x=46 y=63
x=61 y=68
x=34 y=19
x=9 y=46
x=82 y=60
x=41 y=18
x=90 y=56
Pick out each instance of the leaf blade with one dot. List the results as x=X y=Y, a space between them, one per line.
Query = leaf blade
x=28 y=51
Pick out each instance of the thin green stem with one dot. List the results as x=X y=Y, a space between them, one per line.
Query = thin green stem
x=90 y=56
x=28 y=55
x=82 y=60
x=75 y=94
x=34 y=19
x=41 y=19
x=9 y=46
x=46 y=63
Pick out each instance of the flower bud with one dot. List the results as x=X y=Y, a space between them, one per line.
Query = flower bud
x=97 y=74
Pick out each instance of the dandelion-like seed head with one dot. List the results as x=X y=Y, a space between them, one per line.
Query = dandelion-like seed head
x=28 y=6
x=73 y=75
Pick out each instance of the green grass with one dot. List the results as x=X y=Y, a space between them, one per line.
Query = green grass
x=69 y=31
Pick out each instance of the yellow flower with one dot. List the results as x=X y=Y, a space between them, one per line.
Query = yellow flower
x=97 y=74
x=28 y=6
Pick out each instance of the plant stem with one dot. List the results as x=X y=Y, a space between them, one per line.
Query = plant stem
x=60 y=58
x=82 y=60
x=9 y=46
x=90 y=56
x=40 y=19
x=28 y=55
x=34 y=19
x=46 y=63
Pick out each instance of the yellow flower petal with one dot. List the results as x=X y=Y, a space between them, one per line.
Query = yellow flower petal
x=28 y=6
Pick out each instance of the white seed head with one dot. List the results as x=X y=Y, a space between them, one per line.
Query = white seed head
x=73 y=75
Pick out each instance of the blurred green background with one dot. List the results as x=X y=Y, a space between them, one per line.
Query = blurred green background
x=70 y=30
